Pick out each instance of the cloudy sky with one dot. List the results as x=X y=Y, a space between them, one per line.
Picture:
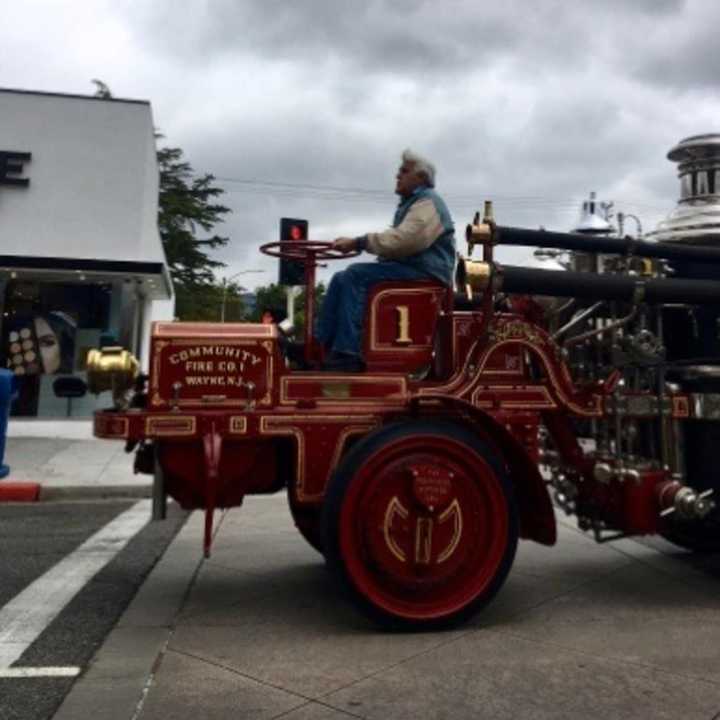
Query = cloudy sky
x=301 y=107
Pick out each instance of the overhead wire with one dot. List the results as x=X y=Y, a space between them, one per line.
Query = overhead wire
x=359 y=194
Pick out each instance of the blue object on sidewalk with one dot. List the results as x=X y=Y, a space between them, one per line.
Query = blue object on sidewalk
x=8 y=392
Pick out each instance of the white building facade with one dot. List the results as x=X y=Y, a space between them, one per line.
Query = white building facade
x=81 y=261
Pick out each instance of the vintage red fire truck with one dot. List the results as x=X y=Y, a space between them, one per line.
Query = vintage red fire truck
x=416 y=478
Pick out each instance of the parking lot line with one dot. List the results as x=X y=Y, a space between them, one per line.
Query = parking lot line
x=26 y=616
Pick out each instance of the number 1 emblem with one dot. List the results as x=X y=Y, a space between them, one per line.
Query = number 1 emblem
x=403 y=337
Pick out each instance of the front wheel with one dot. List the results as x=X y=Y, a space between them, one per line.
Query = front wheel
x=420 y=524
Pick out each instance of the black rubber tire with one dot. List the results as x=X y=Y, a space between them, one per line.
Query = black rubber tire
x=343 y=477
x=699 y=536
x=701 y=440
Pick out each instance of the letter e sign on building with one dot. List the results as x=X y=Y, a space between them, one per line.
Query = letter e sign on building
x=11 y=166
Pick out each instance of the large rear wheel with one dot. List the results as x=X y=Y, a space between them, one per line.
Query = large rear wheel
x=697 y=535
x=420 y=523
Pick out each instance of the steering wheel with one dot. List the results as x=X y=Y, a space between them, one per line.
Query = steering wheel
x=305 y=251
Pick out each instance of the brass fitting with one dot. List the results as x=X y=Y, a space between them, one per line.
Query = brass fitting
x=647 y=267
x=112 y=368
x=473 y=276
x=481 y=233
x=478 y=275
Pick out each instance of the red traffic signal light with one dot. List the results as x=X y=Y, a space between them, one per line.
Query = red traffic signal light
x=292 y=272
x=293 y=229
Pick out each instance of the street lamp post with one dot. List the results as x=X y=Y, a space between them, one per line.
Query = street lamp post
x=225 y=283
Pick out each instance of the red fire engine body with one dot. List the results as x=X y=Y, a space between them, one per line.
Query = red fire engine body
x=414 y=478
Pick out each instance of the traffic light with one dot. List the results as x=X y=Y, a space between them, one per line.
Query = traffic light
x=292 y=272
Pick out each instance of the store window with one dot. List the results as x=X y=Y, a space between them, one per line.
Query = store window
x=47 y=329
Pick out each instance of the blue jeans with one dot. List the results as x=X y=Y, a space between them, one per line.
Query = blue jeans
x=339 y=326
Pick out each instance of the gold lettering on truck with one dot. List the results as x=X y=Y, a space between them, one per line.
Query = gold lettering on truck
x=403 y=337
x=212 y=368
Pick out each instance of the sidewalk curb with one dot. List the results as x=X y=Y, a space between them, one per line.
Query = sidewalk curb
x=26 y=492
x=118 y=677
x=11 y=491
x=95 y=492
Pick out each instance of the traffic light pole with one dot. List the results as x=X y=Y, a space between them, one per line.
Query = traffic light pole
x=291 y=292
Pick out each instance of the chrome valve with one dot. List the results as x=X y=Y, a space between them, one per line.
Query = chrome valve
x=690 y=504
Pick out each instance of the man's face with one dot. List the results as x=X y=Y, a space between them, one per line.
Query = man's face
x=407 y=179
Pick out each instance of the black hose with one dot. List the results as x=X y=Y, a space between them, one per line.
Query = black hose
x=603 y=244
x=590 y=286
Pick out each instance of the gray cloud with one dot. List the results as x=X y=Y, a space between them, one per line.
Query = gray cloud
x=401 y=36
x=381 y=36
x=531 y=104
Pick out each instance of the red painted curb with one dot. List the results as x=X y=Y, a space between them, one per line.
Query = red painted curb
x=19 y=491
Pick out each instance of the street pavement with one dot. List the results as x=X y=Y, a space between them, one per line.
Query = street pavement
x=581 y=630
x=628 y=629
x=67 y=573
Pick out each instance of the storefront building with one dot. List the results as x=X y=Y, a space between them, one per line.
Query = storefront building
x=81 y=262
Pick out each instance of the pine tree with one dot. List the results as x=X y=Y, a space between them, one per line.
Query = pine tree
x=186 y=207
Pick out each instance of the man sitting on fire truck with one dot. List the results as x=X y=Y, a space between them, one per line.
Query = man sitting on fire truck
x=420 y=245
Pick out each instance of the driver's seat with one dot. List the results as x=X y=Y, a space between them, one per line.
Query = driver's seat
x=401 y=323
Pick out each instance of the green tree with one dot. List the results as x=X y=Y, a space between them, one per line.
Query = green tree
x=204 y=302
x=273 y=297
x=188 y=206
x=101 y=90
x=269 y=297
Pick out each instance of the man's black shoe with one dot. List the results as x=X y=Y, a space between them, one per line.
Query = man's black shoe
x=343 y=363
x=295 y=353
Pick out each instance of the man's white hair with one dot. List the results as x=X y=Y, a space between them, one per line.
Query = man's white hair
x=421 y=164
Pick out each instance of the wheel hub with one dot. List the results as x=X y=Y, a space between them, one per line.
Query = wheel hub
x=417 y=536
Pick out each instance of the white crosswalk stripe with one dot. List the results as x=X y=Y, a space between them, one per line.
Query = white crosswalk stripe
x=29 y=613
x=34 y=672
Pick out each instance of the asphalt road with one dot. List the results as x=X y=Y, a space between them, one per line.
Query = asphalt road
x=33 y=540
x=623 y=630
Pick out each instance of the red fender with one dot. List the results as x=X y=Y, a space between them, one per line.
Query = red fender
x=537 y=519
